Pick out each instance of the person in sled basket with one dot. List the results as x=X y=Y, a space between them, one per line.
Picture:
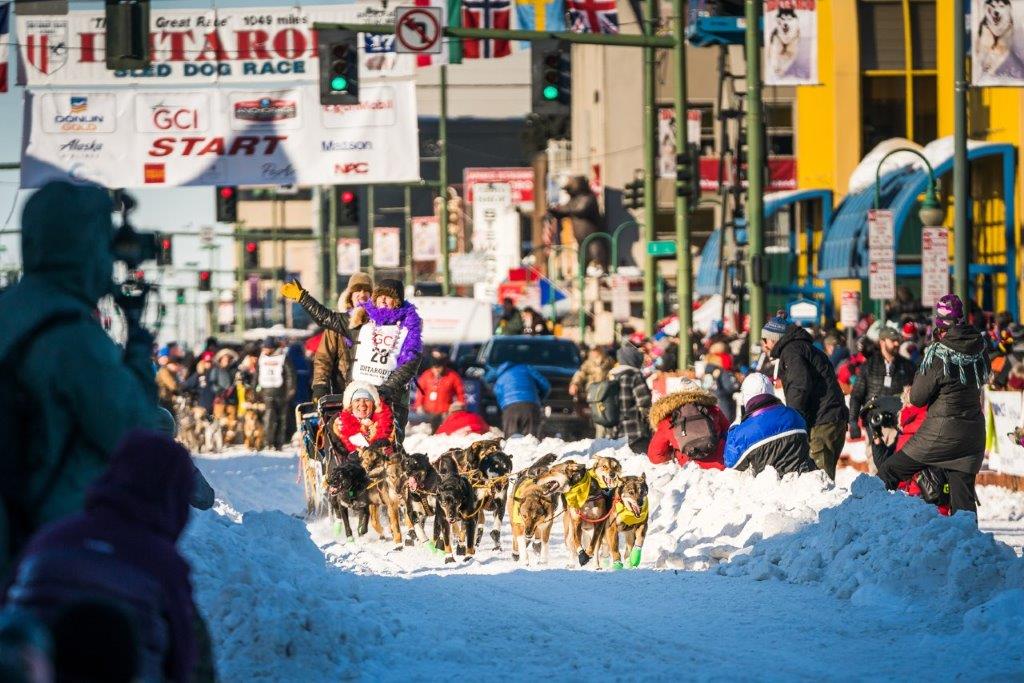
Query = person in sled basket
x=387 y=336
x=365 y=419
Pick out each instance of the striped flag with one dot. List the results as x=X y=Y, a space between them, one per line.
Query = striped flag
x=451 y=10
x=496 y=14
x=5 y=43
x=592 y=16
x=541 y=15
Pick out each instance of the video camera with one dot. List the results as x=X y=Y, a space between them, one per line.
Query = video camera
x=881 y=412
x=130 y=246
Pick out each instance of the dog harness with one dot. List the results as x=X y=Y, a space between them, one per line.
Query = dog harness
x=577 y=495
x=626 y=516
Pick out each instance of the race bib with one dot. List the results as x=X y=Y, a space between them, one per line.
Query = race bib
x=377 y=353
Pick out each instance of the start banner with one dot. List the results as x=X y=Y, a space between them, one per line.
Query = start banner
x=221 y=136
x=204 y=46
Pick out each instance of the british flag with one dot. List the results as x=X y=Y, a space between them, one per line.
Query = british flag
x=592 y=16
x=486 y=14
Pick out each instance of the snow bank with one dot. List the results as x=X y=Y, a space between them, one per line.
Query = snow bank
x=277 y=610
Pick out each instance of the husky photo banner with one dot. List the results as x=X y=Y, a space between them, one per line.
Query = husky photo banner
x=997 y=42
x=790 y=42
x=241 y=104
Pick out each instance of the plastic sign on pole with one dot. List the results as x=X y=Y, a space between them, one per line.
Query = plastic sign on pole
x=849 y=309
x=881 y=254
x=934 y=265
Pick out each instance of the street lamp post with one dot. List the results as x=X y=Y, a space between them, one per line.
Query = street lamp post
x=931 y=212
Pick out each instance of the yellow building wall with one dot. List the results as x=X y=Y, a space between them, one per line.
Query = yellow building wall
x=828 y=124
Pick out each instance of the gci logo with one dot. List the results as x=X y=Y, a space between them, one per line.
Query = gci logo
x=175 y=118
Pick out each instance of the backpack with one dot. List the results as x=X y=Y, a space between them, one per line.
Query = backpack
x=695 y=432
x=603 y=399
x=17 y=413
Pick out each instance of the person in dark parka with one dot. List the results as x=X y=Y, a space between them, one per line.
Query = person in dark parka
x=949 y=383
x=122 y=549
x=69 y=392
x=809 y=383
x=885 y=373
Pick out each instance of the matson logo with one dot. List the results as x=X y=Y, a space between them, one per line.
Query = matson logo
x=353 y=168
x=265 y=109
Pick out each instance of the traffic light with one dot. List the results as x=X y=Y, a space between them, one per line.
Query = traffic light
x=127 y=34
x=348 y=206
x=164 y=250
x=252 y=255
x=179 y=297
x=339 y=66
x=633 y=193
x=204 y=280
x=688 y=174
x=552 y=77
x=227 y=203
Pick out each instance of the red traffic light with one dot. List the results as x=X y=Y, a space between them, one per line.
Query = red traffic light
x=166 y=243
x=250 y=247
x=348 y=196
x=204 y=275
x=227 y=192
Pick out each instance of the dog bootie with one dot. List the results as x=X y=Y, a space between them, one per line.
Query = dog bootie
x=337 y=528
x=634 y=557
x=616 y=565
x=584 y=558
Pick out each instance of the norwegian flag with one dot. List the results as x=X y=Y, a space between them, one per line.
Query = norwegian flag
x=5 y=42
x=486 y=14
x=592 y=16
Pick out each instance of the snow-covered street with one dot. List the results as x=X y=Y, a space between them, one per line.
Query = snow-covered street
x=741 y=578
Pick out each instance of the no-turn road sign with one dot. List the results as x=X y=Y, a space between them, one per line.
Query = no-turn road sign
x=418 y=30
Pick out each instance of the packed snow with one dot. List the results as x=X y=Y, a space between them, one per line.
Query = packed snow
x=762 y=578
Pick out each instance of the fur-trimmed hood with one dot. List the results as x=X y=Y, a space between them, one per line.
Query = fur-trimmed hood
x=667 y=405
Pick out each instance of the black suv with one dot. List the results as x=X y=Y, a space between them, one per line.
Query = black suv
x=556 y=359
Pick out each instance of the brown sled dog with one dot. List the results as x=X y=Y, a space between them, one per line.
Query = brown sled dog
x=630 y=518
x=588 y=505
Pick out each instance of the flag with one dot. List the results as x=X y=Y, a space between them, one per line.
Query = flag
x=5 y=42
x=592 y=16
x=452 y=54
x=495 y=14
x=541 y=15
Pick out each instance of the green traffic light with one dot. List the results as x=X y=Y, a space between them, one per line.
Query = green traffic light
x=339 y=83
x=550 y=92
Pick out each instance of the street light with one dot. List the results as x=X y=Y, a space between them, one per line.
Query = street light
x=931 y=212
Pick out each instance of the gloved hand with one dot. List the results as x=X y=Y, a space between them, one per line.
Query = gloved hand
x=132 y=302
x=855 y=432
x=319 y=391
x=292 y=290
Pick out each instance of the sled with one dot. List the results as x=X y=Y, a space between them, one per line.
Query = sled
x=310 y=466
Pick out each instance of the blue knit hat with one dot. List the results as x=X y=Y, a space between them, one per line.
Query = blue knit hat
x=775 y=327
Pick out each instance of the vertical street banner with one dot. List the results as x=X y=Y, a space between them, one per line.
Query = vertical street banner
x=231 y=98
x=997 y=42
x=790 y=42
x=5 y=43
x=666 y=142
x=934 y=265
x=495 y=236
x=349 y=261
x=387 y=249
x=426 y=238
x=881 y=254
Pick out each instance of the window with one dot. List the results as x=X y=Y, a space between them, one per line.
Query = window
x=898 y=71
x=778 y=117
x=707 y=126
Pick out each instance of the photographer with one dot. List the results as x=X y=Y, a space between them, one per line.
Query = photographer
x=68 y=393
x=885 y=373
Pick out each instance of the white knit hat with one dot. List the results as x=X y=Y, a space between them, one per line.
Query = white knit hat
x=361 y=387
x=756 y=384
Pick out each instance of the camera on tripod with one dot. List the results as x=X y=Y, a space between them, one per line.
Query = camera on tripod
x=129 y=245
